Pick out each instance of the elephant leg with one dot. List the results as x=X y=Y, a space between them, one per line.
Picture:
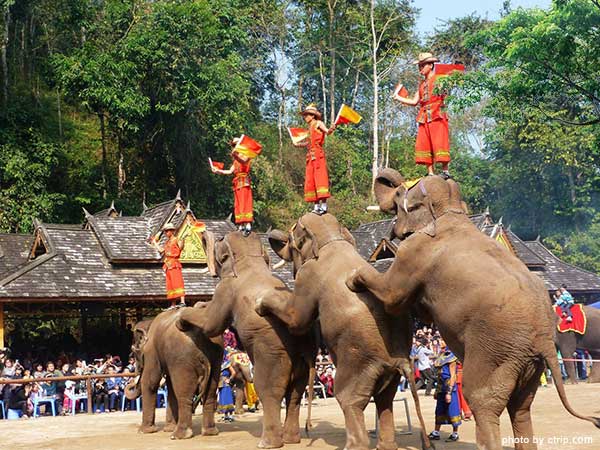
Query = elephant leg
x=184 y=386
x=385 y=413
x=519 y=409
x=209 y=404
x=172 y=408
x=594 y=377
x=487 y=394
x=271 y=387
x=293 y=398
x=150 y=381
x=353 y=390
x=240 y=396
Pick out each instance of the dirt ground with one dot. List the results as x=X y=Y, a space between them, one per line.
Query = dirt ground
x=554 y=428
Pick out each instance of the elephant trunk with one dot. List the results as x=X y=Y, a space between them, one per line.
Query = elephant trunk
x=208 y=242
x=133 y=389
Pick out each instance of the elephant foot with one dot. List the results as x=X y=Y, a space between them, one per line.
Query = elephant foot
x=170 y=427
x=213 y=431
x=291 y=438
x=270 y=443
x=239 y=412
x=387 y=446
x=148 y=429
x=353 y=282
x=184 y=433
x=570 y=381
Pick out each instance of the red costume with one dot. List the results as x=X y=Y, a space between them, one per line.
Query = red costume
x=464 y=407
x=433 y=143
x=316 y=181
x=242 y=192
x=172 y=268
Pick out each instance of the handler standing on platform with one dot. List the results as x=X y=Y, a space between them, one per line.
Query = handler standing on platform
x=171 y=265
x=433 y=142
x=316 y=182
x=242 y=190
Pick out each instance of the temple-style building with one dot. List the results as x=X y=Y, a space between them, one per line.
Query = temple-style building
x=106 y=267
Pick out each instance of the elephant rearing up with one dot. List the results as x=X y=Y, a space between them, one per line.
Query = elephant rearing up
x=281 y=361
x=369 y=347
x=493 y=313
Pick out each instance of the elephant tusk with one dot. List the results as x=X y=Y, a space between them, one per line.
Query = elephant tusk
x=373 y=208
x=279 y=265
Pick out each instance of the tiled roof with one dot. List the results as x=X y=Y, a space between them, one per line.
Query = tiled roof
x=525 y=254
x=379 y=229
x=366 y=242
x=77 y=269
x=158 y=215
x=14 y=250
x=557 y=272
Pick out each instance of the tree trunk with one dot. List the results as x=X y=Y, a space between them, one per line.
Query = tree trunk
x=322 y=74
x=103 y=139
x=58 y=110
x=280 y=116
x=355 y=90
x=375 y=102
x=4 y=60
x=300 y=81
x=121 y=168
x=331 y=5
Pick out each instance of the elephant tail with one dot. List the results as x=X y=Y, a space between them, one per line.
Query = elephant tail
x=551 y=358
x=407 y=371
x=311 y=393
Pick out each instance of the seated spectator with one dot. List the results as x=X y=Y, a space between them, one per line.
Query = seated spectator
x=19 y=399
x=9 y=369
x=327 y=379
x=100 y=395
x=39 y=371
x=131 y=365
x=113 y=386
x=52 y=388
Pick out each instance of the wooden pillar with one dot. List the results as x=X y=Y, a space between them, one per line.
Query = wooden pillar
x=1 y=324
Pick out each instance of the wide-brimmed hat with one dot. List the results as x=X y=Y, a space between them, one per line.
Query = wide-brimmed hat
x=425 y=57
x=234 y=141
x=311 y=109
x=168 y=226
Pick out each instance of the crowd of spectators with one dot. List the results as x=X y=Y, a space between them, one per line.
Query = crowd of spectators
x=106 y=392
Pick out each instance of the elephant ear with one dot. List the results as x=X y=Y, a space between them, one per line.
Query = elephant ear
x=280 y=244
x=208 y=242
x=456 y=201
x=265 y=255
x=386 y=185
x=348 y=236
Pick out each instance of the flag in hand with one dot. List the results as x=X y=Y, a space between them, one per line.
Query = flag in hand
x=215 y=164
x=400 y=91
x=199 y=226
x=441 y=70
x=248 y=147
x=347 y=115
x=298 y=135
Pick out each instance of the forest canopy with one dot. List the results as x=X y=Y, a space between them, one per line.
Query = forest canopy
x=125 y=100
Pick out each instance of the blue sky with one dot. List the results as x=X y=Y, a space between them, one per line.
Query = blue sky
x=434 y=12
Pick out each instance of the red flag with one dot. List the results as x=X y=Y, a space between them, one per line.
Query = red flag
x=298 y=134
x=215 y=164
x=447 y=69
x=347 y=115
x=199 y=226
x=400 y=90
x=248 y=147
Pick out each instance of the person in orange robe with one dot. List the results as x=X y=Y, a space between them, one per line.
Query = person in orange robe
x=172 y=266
x=242 y=189
x=316 y=182
x=433 y=141
x=464 y=407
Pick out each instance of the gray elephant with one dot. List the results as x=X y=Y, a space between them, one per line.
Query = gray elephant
x=369 y=347
x=569 y=341
x=191 y=362
x=243 y=374
x=281 y=361
x=491 y=310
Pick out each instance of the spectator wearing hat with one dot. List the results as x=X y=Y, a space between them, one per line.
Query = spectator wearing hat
x=242 y=190
x=433 y=142
x=316 y=182
x=171 y=265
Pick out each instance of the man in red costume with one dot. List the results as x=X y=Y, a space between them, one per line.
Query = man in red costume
x=172 y=266
x=316 y=182
x=242 y=190
x=433 y=143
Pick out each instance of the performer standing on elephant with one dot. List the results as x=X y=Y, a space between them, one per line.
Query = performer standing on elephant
x=316 y=182
x=433 y=142
x=447 y=410
x=171 y=264
x=242 y=189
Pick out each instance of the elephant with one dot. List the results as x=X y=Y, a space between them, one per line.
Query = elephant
x=243 y=374
x=369 y=347
x=491 y=310
x=281 y=361
x=569 y=341
x=190 y=361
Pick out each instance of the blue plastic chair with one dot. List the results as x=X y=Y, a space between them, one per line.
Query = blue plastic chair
x=161 y=393
x=41 y=400
x=3 y=409
x=14 y=414
x=138 y=403
x=77 y=398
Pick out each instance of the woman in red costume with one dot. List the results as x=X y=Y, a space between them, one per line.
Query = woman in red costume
x=172 y=266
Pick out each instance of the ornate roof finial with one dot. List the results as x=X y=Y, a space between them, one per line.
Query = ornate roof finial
x=87 y=213
x=144 y=206
x=178 y=197
x=112 y=205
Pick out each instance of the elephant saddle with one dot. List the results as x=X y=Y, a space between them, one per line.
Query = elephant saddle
x=578 y=324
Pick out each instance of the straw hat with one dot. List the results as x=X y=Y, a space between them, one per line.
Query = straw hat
x=425 y=57
x=234 y=141
x=168 y=226
x=311 y=109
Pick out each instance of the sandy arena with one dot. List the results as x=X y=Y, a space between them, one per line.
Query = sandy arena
x=554 y=428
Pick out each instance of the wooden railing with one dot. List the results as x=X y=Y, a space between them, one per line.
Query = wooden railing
x=88 y=382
